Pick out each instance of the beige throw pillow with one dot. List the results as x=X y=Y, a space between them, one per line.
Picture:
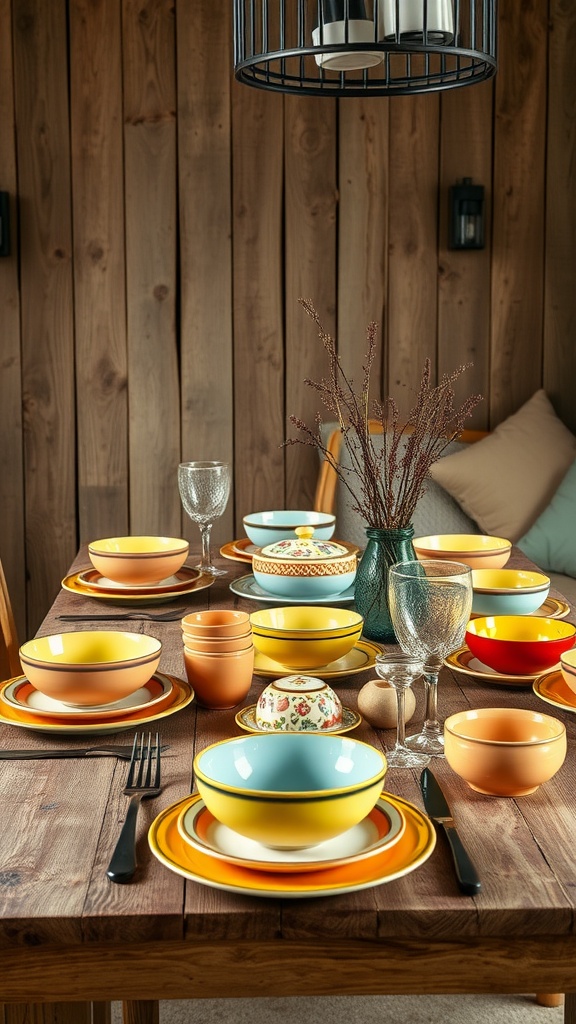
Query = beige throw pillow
x=505 y=481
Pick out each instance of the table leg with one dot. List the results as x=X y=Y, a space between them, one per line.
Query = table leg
x=141 y=1011
x=101 y=1013
x=47 y=1013
x=570 y=1008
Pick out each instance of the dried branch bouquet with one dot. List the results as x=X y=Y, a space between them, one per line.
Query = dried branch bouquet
x=384 y=483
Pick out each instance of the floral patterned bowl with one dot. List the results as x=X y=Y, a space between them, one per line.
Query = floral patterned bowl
x=298 y=703
x=305 y=568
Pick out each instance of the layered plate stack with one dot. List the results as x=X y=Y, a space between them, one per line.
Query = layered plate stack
x=393 y=840
x=24 y=706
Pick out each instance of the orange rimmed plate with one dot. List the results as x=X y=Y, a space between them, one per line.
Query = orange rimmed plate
x=379 y=830
x=187 y=582
x=464 y=661
x=553 y=688
x=181 y=694
x=156 y=694
x=243 y=549
x=413 y=849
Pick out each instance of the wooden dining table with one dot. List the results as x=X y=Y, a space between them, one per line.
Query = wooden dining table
x=71 y=941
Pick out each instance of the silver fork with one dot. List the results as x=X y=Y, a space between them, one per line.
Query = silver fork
x=143 y=781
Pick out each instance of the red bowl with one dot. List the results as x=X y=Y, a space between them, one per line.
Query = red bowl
x=519 y=644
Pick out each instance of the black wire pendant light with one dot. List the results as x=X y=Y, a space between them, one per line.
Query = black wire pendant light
x=363 y=47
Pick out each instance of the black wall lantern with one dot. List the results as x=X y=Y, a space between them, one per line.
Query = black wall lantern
x=466 y=216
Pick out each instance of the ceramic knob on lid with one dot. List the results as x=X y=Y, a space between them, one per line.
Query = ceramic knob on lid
x=298 y=703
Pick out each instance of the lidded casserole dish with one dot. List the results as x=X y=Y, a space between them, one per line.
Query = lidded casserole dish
x=305 y=568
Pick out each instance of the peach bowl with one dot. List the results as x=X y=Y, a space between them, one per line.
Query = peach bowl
x=138 y=561
x=519 y=644
x=90 y=667
x=219 y=645
x=568 y=666
x=504 y=751
x=220 y=681
x=476 y=550
x=220 y=622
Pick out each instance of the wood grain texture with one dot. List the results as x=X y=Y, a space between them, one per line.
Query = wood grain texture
x=363 y=172
x=310 y=259
x=150 y=182
x=49 y=1013
x=259 y=401
x=413 y=228
x=219 y=206
x=464 y=276
x=42 y=113
x=560 y=245
x=204 y=190
x=518 y=215
x=141 y=1012
x=12 y=549
x=99 y=267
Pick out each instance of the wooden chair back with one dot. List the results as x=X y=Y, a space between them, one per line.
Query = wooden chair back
x=325 y=494
x=9 y=646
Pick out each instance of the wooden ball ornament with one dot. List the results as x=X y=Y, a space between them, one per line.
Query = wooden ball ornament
x=377 y=703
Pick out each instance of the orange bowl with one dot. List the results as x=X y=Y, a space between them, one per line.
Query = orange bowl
x=217 y=622
x=90 y=667
x=568 y=667
x=504 y=751
x=137 y=561
x=479 y=551
x=519 y=644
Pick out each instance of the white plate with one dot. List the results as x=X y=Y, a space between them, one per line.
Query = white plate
x=20 y=694
x=382 y=828
x=246 y=586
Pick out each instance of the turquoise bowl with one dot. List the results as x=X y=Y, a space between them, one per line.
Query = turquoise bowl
x=290 y=790
x=264 y=528
x=304 y=588
x=508 y=591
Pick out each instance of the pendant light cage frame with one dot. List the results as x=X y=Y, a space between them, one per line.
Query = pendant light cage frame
x=364 y=47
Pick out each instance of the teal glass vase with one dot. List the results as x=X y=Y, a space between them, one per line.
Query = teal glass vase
x=383 y=549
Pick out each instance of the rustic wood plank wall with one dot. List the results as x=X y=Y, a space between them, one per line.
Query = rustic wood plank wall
x=166 y=220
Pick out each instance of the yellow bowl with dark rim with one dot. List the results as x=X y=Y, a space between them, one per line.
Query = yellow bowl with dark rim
x=302 y=637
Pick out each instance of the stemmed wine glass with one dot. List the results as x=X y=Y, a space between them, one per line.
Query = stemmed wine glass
x=430 y=605
x=400 y=670
x=204 y=489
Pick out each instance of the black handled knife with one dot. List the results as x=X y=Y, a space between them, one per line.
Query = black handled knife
x=124 y=753
x=437 y=808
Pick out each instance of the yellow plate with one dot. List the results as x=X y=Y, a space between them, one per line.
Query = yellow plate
x=158 y=594
x=412 y=850
x=553 y=688
x=182 y=695
x=246 y=719
x=380 y=829
x=362 y=656
x=464 y=661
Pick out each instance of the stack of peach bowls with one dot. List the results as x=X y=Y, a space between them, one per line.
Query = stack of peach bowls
x=218 y=656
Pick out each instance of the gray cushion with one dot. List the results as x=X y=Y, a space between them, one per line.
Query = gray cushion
x=436 y=512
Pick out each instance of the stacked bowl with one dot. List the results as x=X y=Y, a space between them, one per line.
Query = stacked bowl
x=219 y=656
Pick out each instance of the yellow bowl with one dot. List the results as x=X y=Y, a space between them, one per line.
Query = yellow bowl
x=302 y=637
x=504 y=751
x=90 y=667
x=476 y=550
x=287 y=789
x=519 y=644
x=138 y=560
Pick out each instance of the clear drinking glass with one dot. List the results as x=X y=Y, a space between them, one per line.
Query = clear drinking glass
x=430 y=605
x=204 y=489
x=400 y=670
